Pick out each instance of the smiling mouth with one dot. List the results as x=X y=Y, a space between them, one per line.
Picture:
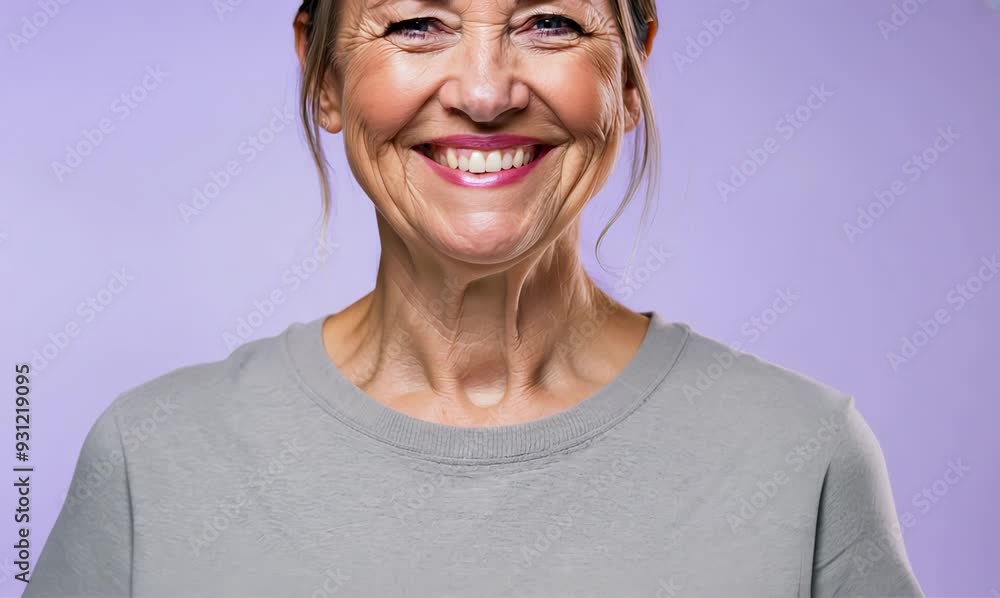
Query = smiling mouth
x=477 y=161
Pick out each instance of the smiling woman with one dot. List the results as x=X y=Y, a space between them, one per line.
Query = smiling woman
x=486 y=421
x=579 y=63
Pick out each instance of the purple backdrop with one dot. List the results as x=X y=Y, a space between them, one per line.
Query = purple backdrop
x=834 y=160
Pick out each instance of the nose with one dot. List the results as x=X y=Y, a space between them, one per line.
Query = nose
x=484 y=83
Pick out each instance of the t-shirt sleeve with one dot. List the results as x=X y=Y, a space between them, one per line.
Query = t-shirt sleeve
x=89 y=550
x=859 y=544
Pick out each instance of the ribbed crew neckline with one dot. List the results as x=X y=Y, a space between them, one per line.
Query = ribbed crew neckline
x=603 y=409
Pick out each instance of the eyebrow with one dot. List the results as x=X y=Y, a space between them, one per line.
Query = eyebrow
x=518 y=3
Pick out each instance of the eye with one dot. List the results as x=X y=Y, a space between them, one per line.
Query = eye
x=412 y=28
x=548 y=25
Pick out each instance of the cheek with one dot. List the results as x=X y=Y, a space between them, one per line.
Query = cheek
x=383 y=91
x=584 y=95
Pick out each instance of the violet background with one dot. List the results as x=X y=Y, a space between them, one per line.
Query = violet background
x=61 y=240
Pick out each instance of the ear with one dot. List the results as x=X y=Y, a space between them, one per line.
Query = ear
x=330 y=115
x=633 y=104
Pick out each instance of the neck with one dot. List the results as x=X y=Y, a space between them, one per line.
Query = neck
x=447 y=341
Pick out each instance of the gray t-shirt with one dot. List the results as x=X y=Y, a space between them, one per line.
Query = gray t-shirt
x=698 y=471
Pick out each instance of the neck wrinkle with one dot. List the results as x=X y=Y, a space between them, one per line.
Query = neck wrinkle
x=474 y=338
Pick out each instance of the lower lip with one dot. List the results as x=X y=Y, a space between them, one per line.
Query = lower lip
x=485 y=179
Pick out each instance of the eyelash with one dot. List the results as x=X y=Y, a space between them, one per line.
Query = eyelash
x=399 y=27
x=571 y=24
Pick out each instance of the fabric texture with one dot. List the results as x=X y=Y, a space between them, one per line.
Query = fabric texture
x=698 y=471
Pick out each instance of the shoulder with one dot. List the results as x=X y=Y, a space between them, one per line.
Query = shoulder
x=765 y=418
x=719 y=370
x=749 y=401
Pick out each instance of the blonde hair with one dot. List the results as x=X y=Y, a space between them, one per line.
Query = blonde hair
x=633 y=19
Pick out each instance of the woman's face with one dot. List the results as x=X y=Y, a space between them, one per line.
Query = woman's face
x=480 y=127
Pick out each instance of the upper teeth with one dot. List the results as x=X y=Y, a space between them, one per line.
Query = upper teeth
x=477 y=161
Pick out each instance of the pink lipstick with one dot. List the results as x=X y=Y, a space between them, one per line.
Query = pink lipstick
x=482 y=160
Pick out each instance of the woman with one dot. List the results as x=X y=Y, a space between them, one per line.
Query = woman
x=487 y=421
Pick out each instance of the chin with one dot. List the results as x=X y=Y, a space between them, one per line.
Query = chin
x=485 y=239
